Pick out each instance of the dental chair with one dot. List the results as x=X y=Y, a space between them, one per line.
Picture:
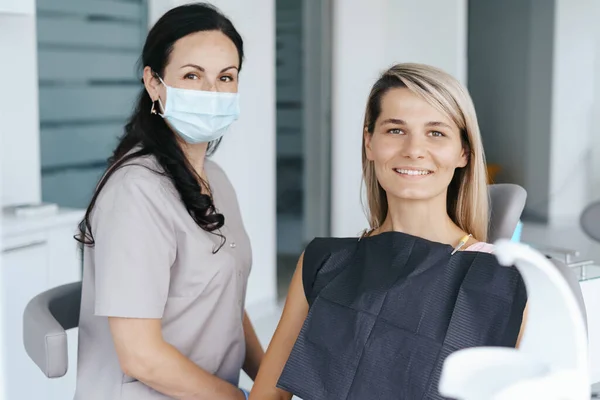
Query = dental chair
x=46 y=319
x=552 y=359
x=590 y=221
x=49 y=315
x=507 y=202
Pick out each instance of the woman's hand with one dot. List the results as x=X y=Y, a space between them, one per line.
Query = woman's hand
x=254 y=350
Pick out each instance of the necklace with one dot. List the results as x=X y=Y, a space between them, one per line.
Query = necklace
x=462 y=242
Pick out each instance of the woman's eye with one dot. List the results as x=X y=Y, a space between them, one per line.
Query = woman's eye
x=226 y=79
x=395 y=131
x=191 y=76
x=437 y=134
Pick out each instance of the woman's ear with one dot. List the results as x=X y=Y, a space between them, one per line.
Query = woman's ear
x=367 y=136
x=151 y=83
x=464 y=157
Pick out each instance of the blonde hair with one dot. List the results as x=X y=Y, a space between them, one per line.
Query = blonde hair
x=467 y=197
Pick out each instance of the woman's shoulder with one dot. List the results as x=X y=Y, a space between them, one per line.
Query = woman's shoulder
x=321 y=249
x=215 y=170
x=217 y=176
x=224 y=193
x=143 y=171
x=325 y=257
x=139 y=179
x=327 y=249
x=214 y=167
x=330 y=244
x=483 y=247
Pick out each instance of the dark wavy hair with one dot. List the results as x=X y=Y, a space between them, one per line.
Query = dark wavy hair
x=151 y=133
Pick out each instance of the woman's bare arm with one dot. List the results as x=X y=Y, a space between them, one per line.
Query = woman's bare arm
x=254 y=350
x=145 y=356
x=292 y=319
x=522 y=330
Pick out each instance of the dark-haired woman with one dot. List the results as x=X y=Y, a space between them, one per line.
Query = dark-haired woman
x=166 y=255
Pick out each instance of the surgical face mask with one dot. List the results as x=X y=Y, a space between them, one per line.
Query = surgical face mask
x=199 y=116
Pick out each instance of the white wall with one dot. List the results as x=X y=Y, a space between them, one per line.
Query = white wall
x=499 y=34
x=536 y=133
x=15 y=7
x=572 y=109
x=19 y=138
x=317 y=48
x=428 y=31
x=596 y=129
x=247 y=152
x=532 y=76
x=510 y=79
x=368 y=37
x=2 y=326
x=19 y=132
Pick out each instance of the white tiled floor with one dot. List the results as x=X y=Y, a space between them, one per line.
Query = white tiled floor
x=565 y=236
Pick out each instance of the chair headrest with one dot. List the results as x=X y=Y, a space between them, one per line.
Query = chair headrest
x=507 y=202
x=590 y=220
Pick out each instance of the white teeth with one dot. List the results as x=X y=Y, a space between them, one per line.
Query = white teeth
x=412 y=172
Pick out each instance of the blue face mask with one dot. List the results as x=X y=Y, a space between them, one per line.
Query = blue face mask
x=199 y=116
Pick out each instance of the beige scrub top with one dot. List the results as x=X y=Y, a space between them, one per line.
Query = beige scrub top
x=151 y=260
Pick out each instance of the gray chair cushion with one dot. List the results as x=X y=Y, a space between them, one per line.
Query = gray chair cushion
x=590 y=220
x=45 y=320
x=507 y=202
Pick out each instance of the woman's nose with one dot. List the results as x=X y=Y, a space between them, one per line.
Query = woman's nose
x=414 y=147
x=210 y=85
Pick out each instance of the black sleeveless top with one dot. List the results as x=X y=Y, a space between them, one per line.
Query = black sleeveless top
x=386 y=311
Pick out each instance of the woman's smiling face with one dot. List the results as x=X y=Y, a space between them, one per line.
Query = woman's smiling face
x=414 y=147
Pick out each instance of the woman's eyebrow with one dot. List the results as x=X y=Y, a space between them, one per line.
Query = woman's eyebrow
x=438 y=123
x=394 y=121
x=199 y=68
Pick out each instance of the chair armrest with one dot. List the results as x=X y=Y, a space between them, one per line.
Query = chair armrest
x=566 y=254
x=45 y=321
x=45 y=339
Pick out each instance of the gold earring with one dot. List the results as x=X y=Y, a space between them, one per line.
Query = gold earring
x=153 y=110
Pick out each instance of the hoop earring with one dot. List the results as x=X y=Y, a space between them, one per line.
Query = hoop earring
x=153 y=110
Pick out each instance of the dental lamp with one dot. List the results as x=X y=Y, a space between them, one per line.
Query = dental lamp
x=552 y=360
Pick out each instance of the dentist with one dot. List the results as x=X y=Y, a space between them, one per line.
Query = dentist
x=166 y=255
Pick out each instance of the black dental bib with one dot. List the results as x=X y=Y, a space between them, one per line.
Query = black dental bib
x=386 y=311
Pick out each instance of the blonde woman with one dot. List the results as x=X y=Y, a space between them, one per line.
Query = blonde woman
x=374 y=317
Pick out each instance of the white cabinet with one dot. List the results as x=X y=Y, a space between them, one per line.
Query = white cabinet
x=37 y=254
x=24 y=276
